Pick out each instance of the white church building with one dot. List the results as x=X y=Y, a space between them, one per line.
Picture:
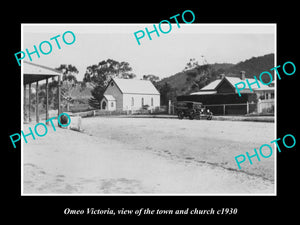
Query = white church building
x=130 y=94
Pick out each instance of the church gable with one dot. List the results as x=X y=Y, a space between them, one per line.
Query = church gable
x=113 y=90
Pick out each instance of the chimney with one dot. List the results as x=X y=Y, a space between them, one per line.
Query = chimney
x=243 y=75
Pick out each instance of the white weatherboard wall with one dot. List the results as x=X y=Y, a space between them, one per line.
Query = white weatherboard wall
x=137 y=101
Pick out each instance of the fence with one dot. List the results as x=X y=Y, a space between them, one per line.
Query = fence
x=216 y=109
x=265 y=106
x=232 y=109
x=99 y=112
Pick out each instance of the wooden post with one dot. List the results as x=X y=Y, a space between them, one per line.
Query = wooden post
x=259 y=107
x=223 y=109
x=24 y=106
x=37 y=102
x=47 y=114
x=29 y=103
x=58 y=96
x=247 y=107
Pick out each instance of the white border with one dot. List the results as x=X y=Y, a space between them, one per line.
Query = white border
x=22 y=112
x=187 y=27
x=275 y=109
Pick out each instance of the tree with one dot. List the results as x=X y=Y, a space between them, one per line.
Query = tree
x=151 y=77
x=97 y=95
x=198 y=75
x=69 y=82
x=154 y=79
x=100 y=74
x=167 y=92
x=201 y=76
x=192 y=64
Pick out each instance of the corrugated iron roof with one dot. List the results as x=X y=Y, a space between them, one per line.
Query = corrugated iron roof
x=32 y=69
x=34 y=72
x=233 y=81
x=134 y=86
x=212 y=85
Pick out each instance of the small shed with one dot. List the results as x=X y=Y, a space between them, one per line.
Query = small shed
x=33 y=73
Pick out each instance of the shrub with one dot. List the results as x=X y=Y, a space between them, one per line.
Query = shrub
x=145 y=107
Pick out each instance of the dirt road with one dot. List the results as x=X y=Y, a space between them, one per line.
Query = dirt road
x=149 y=156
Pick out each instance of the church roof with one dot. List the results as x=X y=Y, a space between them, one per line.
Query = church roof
x=134 y=86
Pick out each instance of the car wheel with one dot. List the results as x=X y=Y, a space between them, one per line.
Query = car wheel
x=180 y=115
x=191 y=117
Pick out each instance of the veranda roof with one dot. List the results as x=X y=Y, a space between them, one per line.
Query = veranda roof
x=34 y=72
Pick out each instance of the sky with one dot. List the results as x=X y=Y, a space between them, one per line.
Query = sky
x=162 y=56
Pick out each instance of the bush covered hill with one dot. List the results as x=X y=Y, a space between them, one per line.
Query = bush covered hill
x=253 y=66
x=194 y=79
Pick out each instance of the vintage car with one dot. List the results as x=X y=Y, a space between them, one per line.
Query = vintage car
x=192 y=110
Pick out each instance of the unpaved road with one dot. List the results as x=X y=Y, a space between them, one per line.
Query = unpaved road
x=148 y=156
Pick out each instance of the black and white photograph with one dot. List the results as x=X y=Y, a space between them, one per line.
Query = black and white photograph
x=145 y=109
x=150 y=112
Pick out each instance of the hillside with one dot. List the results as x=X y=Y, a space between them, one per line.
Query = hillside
x=193 y=80
x=179 y=80
x=253 y=66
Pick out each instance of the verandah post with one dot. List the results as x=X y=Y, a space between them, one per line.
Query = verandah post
x=247 y=107
x=47 y=102
x=29 y=103
x=37 y=102
x=24 y=106
x=59 y=93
